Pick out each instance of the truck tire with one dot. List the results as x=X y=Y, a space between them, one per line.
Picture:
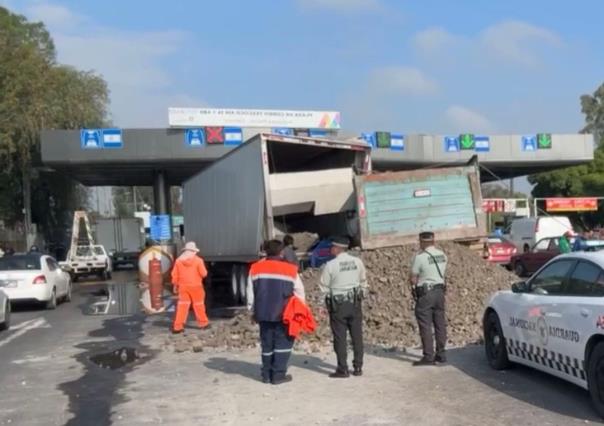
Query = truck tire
x=243 y=274
x=494 y=343
x=595 y=377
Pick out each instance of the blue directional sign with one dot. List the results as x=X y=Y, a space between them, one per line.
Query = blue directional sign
x=233 y=136
x=451 y=144
x=90 y=139
x=369 y=138
x=112 y=138
x=529 y=143
x=482 y=143
x=283 y=131
x=195 y=138
x=160 y=227
x=397 y=142
x=317 y=133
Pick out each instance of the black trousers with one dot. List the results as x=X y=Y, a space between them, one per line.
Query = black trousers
x=430 y=312
x=276 y=349
x=347 y=317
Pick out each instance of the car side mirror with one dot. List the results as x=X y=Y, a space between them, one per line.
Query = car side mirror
x=520 y=287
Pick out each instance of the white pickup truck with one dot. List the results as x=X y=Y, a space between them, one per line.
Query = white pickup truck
x=88 y=260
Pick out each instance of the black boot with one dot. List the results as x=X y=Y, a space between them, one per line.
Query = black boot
x=285 y=379
x=358 y=372
x=423 y=362
x=440 y=359
x=340 y=374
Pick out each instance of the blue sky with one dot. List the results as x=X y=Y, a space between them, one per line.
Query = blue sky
x=430 y=66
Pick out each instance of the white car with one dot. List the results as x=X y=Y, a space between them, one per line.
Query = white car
x=553 y=322
x=34 y=277
x=89 y=260
x=4 y=311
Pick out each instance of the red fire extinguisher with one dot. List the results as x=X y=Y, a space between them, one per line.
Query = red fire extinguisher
x=156 y=283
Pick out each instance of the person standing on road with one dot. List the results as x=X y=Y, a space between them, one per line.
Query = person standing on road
x=187 y=278
x=428 y=287
x=289 y=251
x=343 y=283
x=271 y=282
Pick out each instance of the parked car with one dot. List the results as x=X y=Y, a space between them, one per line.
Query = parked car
x=553 y=322
x=499 y=250
x=524 y=233
x=4 y=311
x=524 y=264
x=34 y=277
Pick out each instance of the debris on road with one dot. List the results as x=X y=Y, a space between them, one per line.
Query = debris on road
x=389 y=319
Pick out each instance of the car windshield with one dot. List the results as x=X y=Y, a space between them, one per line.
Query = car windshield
x=20 y=263
x=98 y=250
x=84 y=251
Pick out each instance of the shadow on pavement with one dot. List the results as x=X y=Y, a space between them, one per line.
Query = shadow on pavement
x=391 y=353
x=234 y=366
x=525 y=384
x=252 y=370
x=92 y=396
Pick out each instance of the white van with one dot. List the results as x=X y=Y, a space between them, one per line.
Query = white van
x=524 y=233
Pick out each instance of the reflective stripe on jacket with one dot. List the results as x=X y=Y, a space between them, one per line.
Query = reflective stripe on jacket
x=273 y=284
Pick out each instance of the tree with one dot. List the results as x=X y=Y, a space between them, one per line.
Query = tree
x=593 y=108
x=584 y=180
x=37 y=93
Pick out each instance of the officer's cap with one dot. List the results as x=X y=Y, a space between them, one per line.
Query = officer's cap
x=426 y=236
x=340 y=242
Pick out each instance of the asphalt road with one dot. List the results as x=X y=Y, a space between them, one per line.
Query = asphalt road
x=48 y=377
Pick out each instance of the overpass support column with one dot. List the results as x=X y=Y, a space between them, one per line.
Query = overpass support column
x=161 y=194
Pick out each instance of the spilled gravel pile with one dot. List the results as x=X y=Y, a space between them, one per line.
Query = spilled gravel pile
x=388 y=308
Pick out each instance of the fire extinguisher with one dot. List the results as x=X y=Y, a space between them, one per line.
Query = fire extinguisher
x=156 y=282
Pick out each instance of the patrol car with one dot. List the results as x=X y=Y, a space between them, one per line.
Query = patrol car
x=553 y=322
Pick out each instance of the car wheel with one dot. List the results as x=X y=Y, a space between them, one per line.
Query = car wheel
x=595 y=377
x=52 y=303
x=519 y=269
x=494 y=343
x=68 y=295
x=6 y=324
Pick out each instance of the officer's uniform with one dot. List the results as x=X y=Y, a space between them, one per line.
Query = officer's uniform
x=429 y=266
x=343 y=282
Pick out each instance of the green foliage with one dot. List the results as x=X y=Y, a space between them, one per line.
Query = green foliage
x=593 y=108
x=37 y=93
x=497 y=190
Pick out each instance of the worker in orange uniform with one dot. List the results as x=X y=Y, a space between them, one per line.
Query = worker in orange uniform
x=187 y=278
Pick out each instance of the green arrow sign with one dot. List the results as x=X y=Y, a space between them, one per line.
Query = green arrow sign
x=466 y=141
x=544 y=141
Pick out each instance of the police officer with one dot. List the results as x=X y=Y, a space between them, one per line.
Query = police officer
x=428 y=285
x=343 y=281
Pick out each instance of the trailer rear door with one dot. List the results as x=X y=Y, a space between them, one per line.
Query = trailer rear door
x=394 y=207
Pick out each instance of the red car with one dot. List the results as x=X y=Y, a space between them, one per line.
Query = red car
x=499 y=250
x=528 y=263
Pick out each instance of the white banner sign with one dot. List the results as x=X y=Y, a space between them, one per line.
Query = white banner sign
x=224 y=117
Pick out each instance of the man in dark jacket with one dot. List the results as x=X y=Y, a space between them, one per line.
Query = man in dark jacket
x=272 y=281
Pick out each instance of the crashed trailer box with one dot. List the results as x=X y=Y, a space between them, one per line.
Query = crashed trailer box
x=394 y=207
x=269 y=186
